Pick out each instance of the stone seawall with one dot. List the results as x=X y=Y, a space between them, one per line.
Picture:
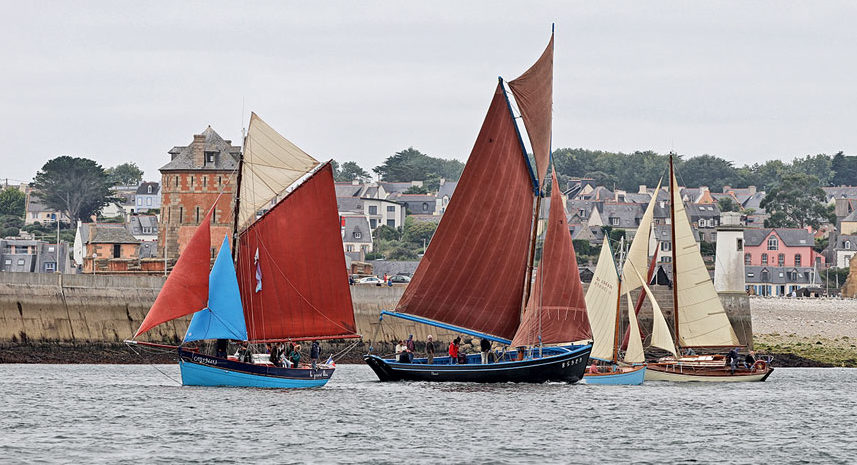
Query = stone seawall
x=102 y=309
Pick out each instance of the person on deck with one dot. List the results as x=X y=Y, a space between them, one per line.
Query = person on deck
x=750 y=360
x=410 y=344
x=485 y=348
x=593 y=369
x=314 y=353
x=453 y=351
x=275 y=355
x=295 y=358
x=222 y=347
x=732 y=358
x=429 y=350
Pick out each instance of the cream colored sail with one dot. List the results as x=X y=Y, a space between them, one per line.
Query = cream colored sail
x=702 y=319
x=271 y=164
x=601 y=299
x=638 y=253
x=634 y=353
x=661 y=337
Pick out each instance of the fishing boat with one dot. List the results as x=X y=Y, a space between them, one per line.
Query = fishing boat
x=288 y=281
x=603 y=305
x=699 y=319
x=476 y=275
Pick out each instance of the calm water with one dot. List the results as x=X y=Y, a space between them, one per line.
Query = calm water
x=134 y=414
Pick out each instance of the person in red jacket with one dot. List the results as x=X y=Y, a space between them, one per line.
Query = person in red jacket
x=453 y=350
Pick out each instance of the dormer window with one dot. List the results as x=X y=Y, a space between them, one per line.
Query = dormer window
x=773 y=243
x=425 y=206
x=209 y=157
x=847 y=244
x=357 y=234
x=149 y=188
x=614 y=221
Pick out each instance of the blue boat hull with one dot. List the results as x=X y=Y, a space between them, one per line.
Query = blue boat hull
x=565 y=364
x=204 y=370
x=635 y=377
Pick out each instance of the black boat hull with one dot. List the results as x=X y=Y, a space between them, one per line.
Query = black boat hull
x=559 y=364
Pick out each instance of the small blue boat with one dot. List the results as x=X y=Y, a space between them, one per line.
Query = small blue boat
x=633 y=375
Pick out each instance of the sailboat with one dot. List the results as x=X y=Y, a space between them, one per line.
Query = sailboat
x=288 y=281
x=476 y=276
x=603 y=304
x=699 y=319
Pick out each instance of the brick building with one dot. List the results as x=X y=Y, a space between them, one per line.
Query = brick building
x=190 y=184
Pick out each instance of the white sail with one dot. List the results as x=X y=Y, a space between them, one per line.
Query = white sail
x=702 y=319
x=634 y=353
x=661 y=337
x=638 y=253
x=601 y=299
x=271 y=164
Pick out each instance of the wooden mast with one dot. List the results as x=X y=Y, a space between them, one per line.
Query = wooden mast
x=672 y=247
x=237 y=202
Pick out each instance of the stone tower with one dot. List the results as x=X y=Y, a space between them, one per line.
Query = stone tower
x=191 y=183
x=729 y=258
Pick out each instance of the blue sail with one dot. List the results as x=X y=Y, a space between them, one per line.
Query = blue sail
x=224 y=316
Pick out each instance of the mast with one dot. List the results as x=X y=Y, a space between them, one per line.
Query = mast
x=528 y=276
x=237 y=202
x=616 y=330
x=673 y=248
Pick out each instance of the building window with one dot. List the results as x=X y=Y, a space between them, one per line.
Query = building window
x=349 y=248
x=51 y=248
x=764 y=259
x=177 y=181
x=219 y=181
x=357 y=234
x=773 y=243
x=117 y=250
x=764 y=276
x=425 y=206
x=391 y=223
x=50 y=267
x=205 y=181
x=373 y=210
x=614 y=221
x=373 y=223
x=209 y=157
x=149 y=188
x=181 y=215
x=191 y=182
x=781 y=259
x=666 y=246
x=391 y=209
x=748 y=259
x=798 y=260
x=20 y=261
x=140 y=201
x=8 y=261
x=701 y=223
x=847 y=244
x=714 y=237
x=149 y=201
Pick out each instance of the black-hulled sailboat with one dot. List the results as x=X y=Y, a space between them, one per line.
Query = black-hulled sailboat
x=476 y=276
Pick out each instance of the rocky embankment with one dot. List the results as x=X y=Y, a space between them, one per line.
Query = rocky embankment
x=806 y=332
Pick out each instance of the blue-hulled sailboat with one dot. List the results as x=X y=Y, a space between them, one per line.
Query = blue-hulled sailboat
x=288 y=281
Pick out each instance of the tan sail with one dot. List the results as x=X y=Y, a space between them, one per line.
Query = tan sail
x=271 y=164
x=634 y=353
x=638 y=253
x=601 y=298
x=661 y=337
x=702 y=319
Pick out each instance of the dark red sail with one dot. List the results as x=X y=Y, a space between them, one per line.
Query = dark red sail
x=472 y=274
x=304 y=289
x=557 y=298
x=533 y=92
x=186 y=289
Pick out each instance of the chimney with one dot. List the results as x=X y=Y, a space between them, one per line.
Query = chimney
x=752 y=190
x=197 y=150
x=642 y=189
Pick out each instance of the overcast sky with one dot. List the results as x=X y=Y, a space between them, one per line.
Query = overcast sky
x=126 y=81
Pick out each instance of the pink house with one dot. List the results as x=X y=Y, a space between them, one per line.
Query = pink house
x=781 y=247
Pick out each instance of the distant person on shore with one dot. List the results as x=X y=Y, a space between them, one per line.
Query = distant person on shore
x=429 y=350
x=485 y=349
x=453 y=350
x=314 y=352
x=750 y=359
x=732 y=358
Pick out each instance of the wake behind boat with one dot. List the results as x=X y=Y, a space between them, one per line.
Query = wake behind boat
x=476 y=276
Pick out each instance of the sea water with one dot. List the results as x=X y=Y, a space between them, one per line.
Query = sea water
x=140 y=414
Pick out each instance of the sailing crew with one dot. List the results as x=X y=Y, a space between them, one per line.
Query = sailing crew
x=485 y=348
x=732 y=358
x=275 y=355
x=750 y=360
x=295 y=358
x=429 y=350
x=222 y=347
x=453 y=350
x=410 y=344
x=314 y=351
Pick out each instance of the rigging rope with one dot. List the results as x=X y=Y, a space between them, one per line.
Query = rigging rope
x=153 y=365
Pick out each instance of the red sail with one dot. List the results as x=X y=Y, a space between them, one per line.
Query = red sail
x=472 y=274
x=186 y=289
x=533 y=91
x=304 y=284
x=557 y=294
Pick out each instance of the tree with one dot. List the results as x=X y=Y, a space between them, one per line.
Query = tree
x=707 y=170
x=797 y=202
x=418 y=232
x=387 y=233
x=601 y=178
x=79 y=187
x=844 y=170
x=416 y=190
x=726 y=204
x=412 y=165
x=12 y=202
x=350 y=171
x=820 y=166
x=126 y=174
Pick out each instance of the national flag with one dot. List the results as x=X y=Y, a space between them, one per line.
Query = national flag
x=330 y=362
x=258 y=271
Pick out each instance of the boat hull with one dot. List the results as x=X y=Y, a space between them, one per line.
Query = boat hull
x=204 y=370
x=558 y=364
x=709 y=375
x=632 y=376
